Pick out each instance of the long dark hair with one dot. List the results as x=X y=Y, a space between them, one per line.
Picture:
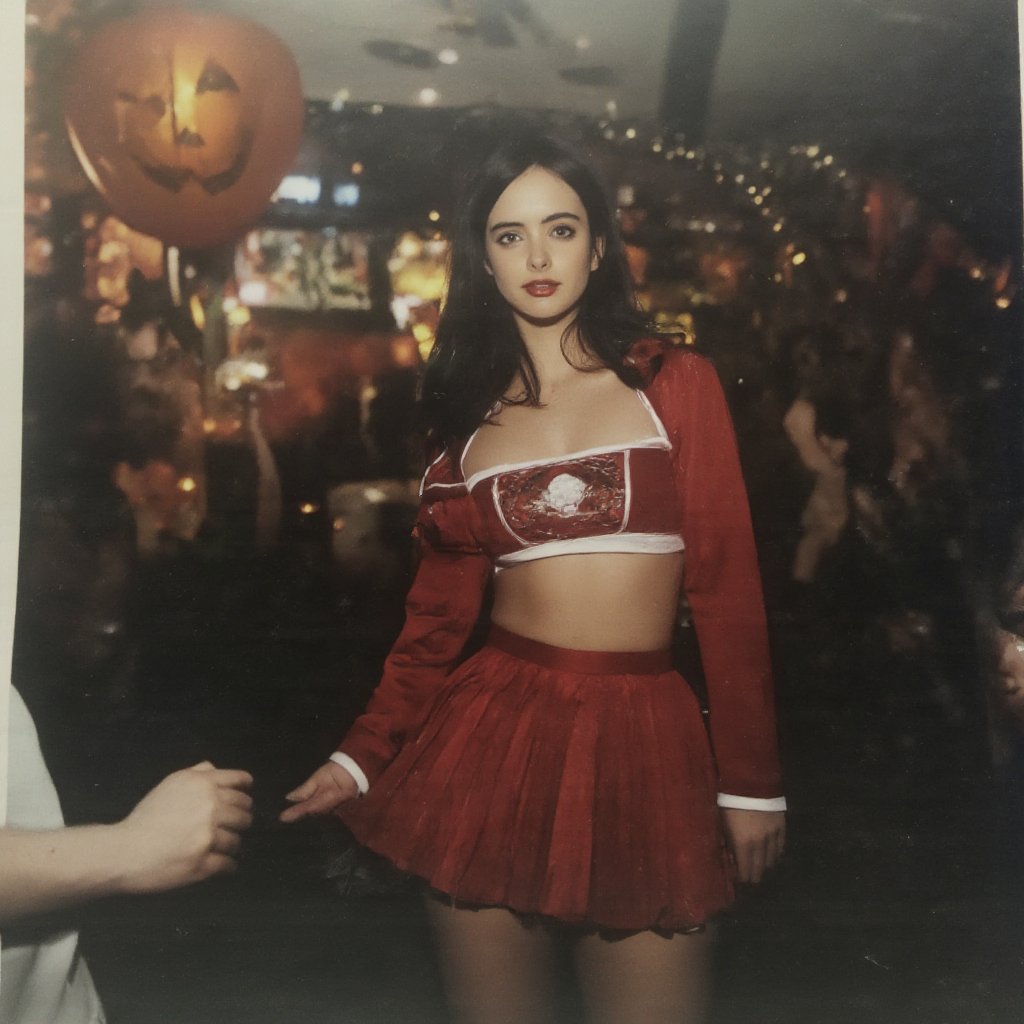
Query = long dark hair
x=478 y=350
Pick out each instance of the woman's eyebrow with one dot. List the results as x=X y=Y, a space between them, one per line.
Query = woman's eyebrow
x=518 y=224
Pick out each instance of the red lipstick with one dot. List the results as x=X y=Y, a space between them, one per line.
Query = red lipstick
x=540 y=289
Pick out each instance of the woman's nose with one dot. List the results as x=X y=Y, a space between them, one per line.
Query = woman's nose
x=538 y=257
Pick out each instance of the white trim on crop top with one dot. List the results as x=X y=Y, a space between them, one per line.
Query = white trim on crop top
x=622 y=541
x=628 y=543
x=660 y=440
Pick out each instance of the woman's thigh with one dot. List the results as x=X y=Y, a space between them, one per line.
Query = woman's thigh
x=497 y=968
x=646 y=977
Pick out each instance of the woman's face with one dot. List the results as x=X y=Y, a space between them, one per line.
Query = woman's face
x=539 y=248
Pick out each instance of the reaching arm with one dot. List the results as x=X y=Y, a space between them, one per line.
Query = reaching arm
x=441 y=610
x=184 y=830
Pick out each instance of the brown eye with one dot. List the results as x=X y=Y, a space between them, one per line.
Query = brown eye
x=215 y=79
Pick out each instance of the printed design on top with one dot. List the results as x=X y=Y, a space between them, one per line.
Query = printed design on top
x=581 y=497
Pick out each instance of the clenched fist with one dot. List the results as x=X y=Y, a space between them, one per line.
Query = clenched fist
x=185 y=829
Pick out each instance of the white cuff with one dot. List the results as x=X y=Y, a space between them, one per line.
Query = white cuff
x=752 y=803
x=354 y=770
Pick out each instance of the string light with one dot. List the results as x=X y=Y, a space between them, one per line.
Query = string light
x=725 y=167
x=757 y=192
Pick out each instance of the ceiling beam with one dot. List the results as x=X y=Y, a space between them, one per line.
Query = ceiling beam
x=694 y=44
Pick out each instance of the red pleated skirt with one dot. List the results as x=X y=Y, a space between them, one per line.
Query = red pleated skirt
x=577 y=785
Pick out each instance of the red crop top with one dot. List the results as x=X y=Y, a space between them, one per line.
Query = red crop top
x=611 y=498
x=683 y=483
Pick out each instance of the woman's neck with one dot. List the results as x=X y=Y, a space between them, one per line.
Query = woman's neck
x=553 y=365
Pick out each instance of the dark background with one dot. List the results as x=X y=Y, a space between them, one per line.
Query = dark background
x=900 y=895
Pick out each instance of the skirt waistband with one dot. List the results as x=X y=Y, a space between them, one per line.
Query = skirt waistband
x=635 y=663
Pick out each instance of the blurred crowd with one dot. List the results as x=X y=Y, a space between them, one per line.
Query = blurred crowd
x=874 y=377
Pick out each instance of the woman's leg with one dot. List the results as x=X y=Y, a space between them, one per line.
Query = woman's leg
x=645 y=977
x=497 y=970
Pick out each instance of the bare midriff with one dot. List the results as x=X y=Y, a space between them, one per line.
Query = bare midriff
x=592 y=602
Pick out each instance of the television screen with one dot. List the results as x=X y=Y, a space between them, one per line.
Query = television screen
x=303 y=189
x=302 y=269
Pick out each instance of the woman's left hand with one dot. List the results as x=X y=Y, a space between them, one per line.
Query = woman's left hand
x=756 y=839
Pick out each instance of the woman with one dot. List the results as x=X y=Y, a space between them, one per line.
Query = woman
x=561 y=779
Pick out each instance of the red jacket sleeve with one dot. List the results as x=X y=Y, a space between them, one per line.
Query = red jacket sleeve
x=441 y=610
x=722 y=578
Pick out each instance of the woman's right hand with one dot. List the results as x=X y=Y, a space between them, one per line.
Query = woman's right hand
x=327 y=788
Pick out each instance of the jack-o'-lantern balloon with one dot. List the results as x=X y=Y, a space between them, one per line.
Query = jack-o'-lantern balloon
x=185 y=122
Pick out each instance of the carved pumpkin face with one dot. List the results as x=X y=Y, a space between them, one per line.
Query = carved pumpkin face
x=184 y=119
x=184 y=122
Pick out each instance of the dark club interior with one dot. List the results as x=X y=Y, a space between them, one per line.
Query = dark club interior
x=225 y=326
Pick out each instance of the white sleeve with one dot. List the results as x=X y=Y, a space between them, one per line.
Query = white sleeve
x=354 y=770
x=752 y=803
